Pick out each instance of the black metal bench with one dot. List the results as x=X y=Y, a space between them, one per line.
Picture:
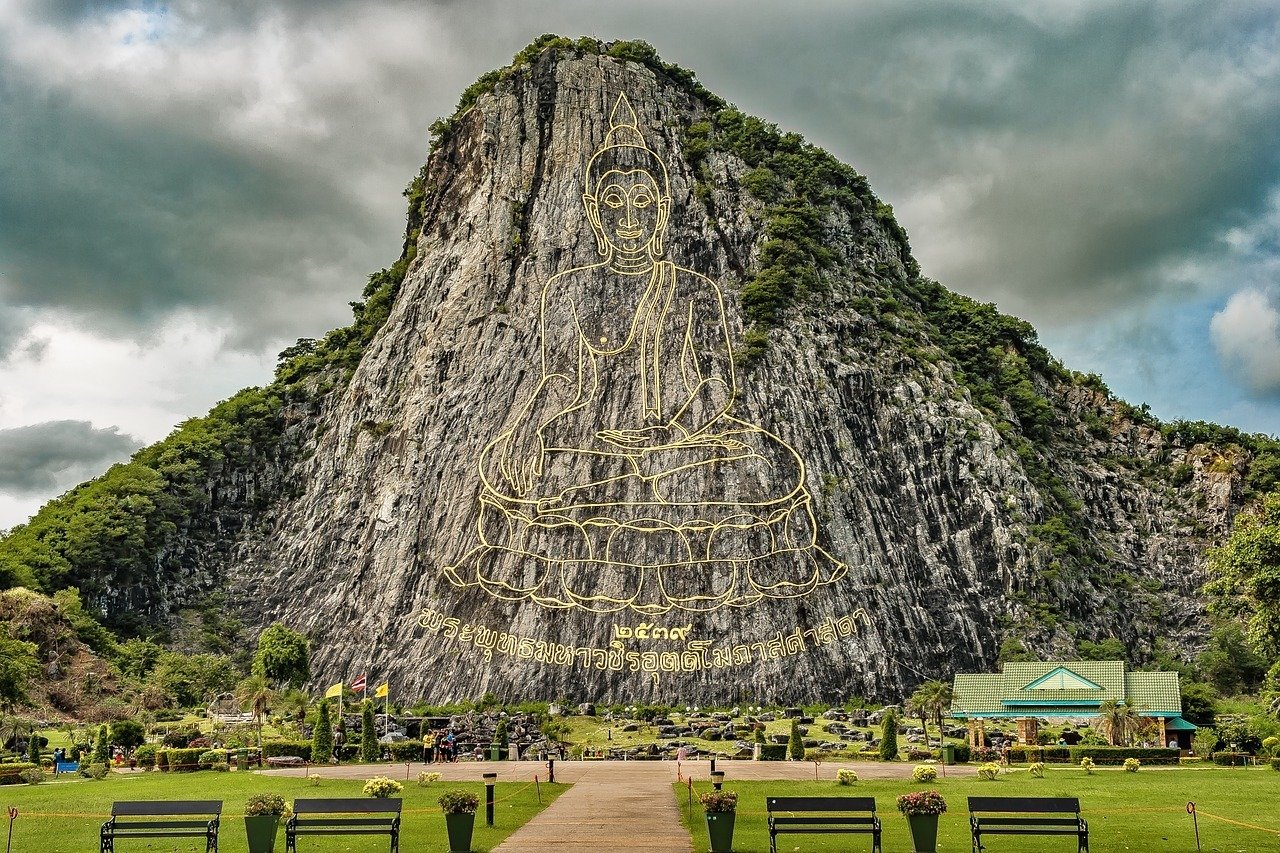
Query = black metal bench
x=822 y=815
x=204 y=826
x=338 y=817
x=1006 y=816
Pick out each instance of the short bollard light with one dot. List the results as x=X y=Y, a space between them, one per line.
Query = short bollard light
x=717 y=780
x=489 y=780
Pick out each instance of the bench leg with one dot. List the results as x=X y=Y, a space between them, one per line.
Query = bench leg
x=875 y=841
x=290 y=841
x=211 y=843
x=1083 y=845
x=107 y=843
x=773 y=842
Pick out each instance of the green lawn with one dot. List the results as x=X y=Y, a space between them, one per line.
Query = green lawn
x=65 y=816
x=1143 y=812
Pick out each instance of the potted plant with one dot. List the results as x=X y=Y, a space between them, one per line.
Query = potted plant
x=721 y=808
x=262 y=813
x=459 y=818
x=922 y=809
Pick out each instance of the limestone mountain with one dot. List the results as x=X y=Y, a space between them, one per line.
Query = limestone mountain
x=657 y=404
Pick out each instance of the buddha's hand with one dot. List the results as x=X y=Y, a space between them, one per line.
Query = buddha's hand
x=646 y=438
x=521 y=461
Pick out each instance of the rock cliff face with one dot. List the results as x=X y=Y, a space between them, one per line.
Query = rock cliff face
x=887 y=528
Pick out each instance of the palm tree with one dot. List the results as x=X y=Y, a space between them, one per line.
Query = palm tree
x=931 y=701
x=295 y=702
x=255 y=693
x=1118 y=722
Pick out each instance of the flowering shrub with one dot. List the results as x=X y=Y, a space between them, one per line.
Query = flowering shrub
x=1037 y=770
x=984 y=753
x=922 y=802
x=847 y=777
x=428 y=778
x=1131 y=765
x=719 y=801
x=381 y=786
x=1086 y=764
x=458 y=801
x=314 y=779
x=989 y=771
x=32 y=775
x=924 y=773
x=264 y=804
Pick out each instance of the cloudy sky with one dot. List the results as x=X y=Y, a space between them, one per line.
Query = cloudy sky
x=187 y=187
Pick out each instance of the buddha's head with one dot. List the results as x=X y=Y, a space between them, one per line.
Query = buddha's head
x=627 y=195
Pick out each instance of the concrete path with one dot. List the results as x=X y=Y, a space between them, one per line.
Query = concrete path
x=611 y=806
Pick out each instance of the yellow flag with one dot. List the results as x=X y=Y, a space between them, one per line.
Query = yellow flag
x=335 y=690
x=381 y=691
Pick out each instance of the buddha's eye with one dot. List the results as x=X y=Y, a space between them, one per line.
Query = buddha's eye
x=613 y=198
x=641 y=198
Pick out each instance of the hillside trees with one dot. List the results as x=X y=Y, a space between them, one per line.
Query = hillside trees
x=283 y=656
x=1246 y=575
x=18 y=666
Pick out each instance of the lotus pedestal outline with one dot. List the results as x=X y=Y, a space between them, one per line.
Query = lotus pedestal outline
x=720 y=831
x=924 y=832
x=261 y=830
x=459 y=825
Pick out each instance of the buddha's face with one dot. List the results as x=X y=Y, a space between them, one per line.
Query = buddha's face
x=627 y=210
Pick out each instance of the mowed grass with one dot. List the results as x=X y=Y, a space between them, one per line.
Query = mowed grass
x=1144 y=811
x=58 y=817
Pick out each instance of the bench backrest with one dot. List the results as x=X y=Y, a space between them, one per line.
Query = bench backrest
x=348 y=805
x=1065 y=805
x=165 y=807
x=821 y=804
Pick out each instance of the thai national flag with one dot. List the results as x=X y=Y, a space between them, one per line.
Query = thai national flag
x=358 y=684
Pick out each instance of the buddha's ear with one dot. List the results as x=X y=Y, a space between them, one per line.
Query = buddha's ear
x=664 y=211
x=593 y=216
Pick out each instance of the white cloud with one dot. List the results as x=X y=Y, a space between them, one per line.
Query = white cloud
x=1246 y=333
x=60 y=372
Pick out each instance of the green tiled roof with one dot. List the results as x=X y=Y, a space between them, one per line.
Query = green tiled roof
x=1031 y=689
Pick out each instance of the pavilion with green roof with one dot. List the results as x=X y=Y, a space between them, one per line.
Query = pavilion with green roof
x=1029 y=691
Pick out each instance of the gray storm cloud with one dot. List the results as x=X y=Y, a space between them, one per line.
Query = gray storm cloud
x=246 y=158
x=39 y=458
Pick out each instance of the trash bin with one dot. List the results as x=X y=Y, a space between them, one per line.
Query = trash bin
x=242 y=759
x=948 y=753
x=495 y=752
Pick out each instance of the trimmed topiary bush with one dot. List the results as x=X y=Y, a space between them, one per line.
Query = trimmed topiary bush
x=795 y=745
x=889 y=737
x=989 y=771
x=1131 y=765
x=845 y=776
x=924 y=773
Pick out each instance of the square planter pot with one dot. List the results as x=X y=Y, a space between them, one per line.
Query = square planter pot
x=924 y=832
x=720 y=831
x=261 y=830
x=459 y=827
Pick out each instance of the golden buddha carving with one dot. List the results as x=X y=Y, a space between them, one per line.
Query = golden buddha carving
x=625 y=481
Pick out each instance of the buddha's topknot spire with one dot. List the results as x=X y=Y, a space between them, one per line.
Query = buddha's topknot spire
x=624 y=128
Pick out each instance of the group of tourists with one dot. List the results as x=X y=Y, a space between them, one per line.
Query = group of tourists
x=441 y=747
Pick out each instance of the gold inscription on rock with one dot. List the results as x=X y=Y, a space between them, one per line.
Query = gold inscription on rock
x=695 y=656
x=650 y=631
